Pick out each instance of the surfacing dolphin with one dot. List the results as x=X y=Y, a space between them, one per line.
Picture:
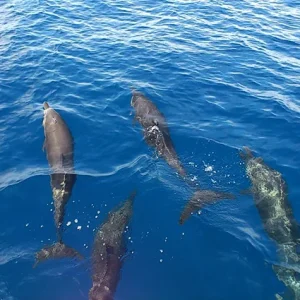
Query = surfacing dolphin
x=157 y=135
x=109 y=250
x=59 y=147
x=270 y=195
x=156 y=131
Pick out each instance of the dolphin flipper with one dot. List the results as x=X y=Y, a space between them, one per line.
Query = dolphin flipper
x=57 y=250
x=200 y=199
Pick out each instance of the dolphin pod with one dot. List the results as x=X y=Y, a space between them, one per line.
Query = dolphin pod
x=268 y=189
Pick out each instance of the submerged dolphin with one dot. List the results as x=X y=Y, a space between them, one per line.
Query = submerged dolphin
x=157 y=135
x=271 y=199
x=59 y=147
x=108 y=252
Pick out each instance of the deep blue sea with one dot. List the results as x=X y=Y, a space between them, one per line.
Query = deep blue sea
x=225 y=74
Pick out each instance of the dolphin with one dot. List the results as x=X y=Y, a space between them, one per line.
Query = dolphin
x=109 y=250
x=270 y=194
x=156 y=131
x=157 y=135
x=59 y=148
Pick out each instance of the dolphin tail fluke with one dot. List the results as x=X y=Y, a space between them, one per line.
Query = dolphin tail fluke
x=56 y=251
x=201 y=198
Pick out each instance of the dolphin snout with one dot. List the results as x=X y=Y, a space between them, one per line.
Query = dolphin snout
x=45 y=105
x=135 y=93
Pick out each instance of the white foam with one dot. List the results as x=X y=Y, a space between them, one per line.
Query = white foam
x=207 y=168
x=153 y=128
x=194 y=178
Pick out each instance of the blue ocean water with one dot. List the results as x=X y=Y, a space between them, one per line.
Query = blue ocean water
x=224 y=73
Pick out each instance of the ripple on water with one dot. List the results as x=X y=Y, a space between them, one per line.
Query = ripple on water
x=225 y=74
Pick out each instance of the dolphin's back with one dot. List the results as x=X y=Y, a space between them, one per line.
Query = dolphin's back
x=147 y=112
x=58 y=140
x=59 y=147
x=109 y=247
x=156 y=131
x=271 y=199
x=106 y=260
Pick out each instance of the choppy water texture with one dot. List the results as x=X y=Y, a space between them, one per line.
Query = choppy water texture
x=224 y=73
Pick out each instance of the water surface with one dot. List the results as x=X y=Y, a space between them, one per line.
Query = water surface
x=224 y=73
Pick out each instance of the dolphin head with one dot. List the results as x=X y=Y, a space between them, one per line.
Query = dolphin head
x=135 y=96
x=45 y=105
x=133 y=100
x=246 y=154
x=47 y=109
